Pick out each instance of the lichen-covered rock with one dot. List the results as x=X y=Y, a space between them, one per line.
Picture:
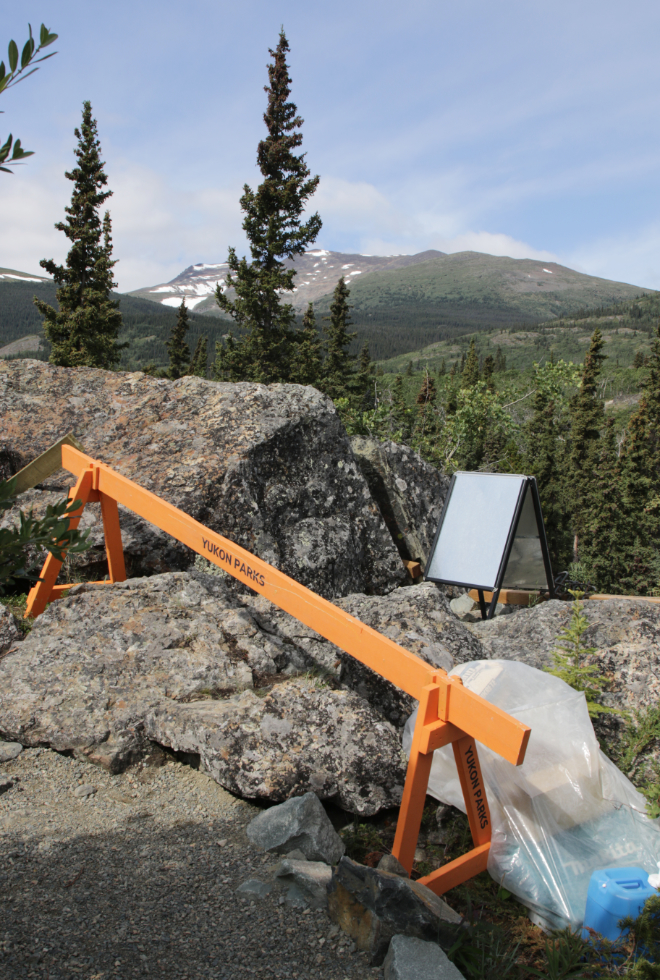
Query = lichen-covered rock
x=180 y=660
x=301 y=737
x=147 y=549
x=409 y=492
x=269 y=467
x=9 y=631
x=626 y=636
x=419 y=619
x=624 y=632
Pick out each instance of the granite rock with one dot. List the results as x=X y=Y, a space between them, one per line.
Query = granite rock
x=409 y=492
x=419 y=619
x=174 y=659
x=269 y=467
x=372 y=906
x=10 y=751
x=413 y=959
x=626 y=636
x=9 y=630
x=311 y=877
x=300 y=823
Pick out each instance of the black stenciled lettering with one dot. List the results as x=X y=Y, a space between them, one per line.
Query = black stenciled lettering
x=243 y=572
x=237 y=562
x=262 y=580
x=228 y=558
x=204 y=543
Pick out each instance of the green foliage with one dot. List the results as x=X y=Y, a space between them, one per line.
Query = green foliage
x=275 y=232
x=335 y=379
x=8 y=79
x=85 y=329
x=177 y=348
x=199 y=362
x=360 y=839
x=471 y=368
x=483 y=950
x=51 y=532
x=568 y=653
x=564 y=958
x=308 y=353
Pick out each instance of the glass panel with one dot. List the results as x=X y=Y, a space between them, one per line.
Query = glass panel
x=475 y=530
x=525 y=568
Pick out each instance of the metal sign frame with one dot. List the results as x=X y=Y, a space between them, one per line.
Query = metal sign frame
x=448 y=712
x=529 y=483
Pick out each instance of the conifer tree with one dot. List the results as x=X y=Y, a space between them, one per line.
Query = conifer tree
x=400 y=411
x=275 y=232
x=338 y=363
x=177 y=348
x=85 y=329
x=427 y=393
x=409 y=370
x=199 y=362
x=587 y=419
x=362 y=380
x=543 y=460
x=489 y=368
x=306 y=365
x=442 y=370
x=500 y=361
x=470 y=374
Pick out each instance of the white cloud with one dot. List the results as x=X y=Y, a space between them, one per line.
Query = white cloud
x=633 y=258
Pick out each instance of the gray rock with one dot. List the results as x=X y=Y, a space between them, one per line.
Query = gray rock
x=419 y=619
x=9 y=631
x=311 y=877
x=626 y=636
x=269 y=467
x=82 y=792
x=389 y=863
x=413 y=959
x=295 y=855
x=372 y=906
x=6 y=782
x=172 y=659
x=254 y=888
x=409 y=492
x=464 y=605
x=295 y=898
x=9 y=751
x=300 y=823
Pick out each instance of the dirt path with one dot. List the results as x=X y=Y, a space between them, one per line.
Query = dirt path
x=140 y=878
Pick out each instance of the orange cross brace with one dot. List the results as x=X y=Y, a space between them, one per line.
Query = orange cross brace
x=448 y=712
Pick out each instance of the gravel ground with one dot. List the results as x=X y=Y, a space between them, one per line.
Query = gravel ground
x=140 y=879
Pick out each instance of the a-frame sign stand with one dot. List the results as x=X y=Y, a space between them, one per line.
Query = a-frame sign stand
x=491 y=536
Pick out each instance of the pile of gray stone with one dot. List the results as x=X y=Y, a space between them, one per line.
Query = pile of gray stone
x=398 y=922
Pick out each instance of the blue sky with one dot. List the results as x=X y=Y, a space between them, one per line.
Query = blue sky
x=511 y=128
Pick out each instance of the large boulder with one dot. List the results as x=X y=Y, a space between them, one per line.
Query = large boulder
x=181 y=660
x=269 y=467
x=625 y=635
x=9 y=630
x=409 y=492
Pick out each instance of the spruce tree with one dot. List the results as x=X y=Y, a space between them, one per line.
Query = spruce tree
x=177 y=348
x=587 y=420
x=338 y=365
x=306 y=364
x=489 y=368
x=362 y=387
x=199 y=362
x=470 y=374
x=275 y=232
x=85 y=329
x=543 y=459
x=442 y=370
x=500 y=361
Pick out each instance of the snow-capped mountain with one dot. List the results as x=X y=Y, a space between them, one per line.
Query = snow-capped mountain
x=317 y=274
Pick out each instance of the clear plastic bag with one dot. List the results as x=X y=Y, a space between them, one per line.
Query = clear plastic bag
x=565 y=812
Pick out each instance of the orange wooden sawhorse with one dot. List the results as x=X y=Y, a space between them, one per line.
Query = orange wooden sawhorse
x=448 y=713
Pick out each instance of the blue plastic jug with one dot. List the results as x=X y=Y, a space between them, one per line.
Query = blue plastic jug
x=613 y=894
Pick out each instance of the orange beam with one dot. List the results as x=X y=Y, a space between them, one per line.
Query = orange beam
x=465 y=710
x=456 y=872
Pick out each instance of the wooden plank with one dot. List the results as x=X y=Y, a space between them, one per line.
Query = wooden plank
x=483 y=721
x=113 y=546
x=411 y=808
x=45 y=465
x=510 y=597
x=641 y=598
x=456 y=872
